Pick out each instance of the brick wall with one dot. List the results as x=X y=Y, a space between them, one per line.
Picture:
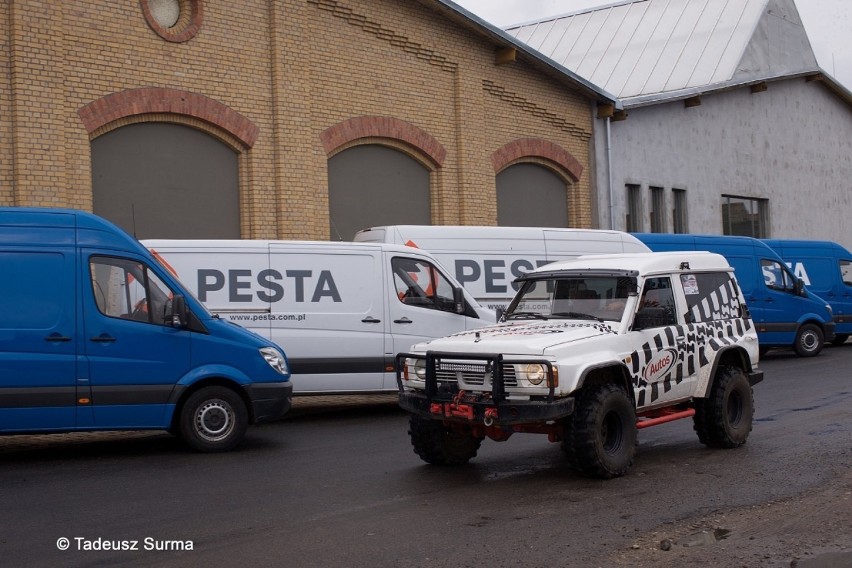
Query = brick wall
x=288 y=71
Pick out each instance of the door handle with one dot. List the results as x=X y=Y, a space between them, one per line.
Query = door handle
x=103 y=338
x=403 y=320
x=370 y=319
x=57 y=337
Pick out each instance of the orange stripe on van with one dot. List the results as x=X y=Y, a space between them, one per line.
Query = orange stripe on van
x=165 y=264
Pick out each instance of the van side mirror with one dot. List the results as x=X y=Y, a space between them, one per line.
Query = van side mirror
x=458 y=300
x=177 y=316
x=799 y=287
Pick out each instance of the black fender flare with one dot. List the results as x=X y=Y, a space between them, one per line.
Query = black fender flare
x=726 y=353
x=623 y=372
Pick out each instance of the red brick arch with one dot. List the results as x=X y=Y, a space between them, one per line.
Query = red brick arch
x=343 y=133
x=164 y=100
x=538 y=148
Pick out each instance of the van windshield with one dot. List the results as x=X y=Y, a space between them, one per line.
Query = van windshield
x=601 y=298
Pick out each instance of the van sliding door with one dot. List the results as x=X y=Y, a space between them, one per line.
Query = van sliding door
x=38 y=340
x=328 y=316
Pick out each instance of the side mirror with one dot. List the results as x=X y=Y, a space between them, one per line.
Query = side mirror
x=799 y=287
x=177 y=313
x=458 y=300
x=499 y=313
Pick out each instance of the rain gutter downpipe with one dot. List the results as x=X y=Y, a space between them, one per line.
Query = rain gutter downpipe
x=609 y=175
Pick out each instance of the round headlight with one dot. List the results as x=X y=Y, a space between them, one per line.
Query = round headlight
x=420 y=368
x=535 y=373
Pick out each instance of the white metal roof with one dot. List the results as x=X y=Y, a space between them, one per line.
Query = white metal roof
x=535 y=57
x=641 y=49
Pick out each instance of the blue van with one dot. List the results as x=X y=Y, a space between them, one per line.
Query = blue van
x=826 y=269
x=785 y=312
x=95 y=334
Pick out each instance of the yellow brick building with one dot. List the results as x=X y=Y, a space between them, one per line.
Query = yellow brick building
x=286 y=85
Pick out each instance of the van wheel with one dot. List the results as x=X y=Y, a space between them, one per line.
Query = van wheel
x=840 y=339
x=437 y=444
x=724 y=419
x=601 y=439
x=213 y=419
x=809 y=341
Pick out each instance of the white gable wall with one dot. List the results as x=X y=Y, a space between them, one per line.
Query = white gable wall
x=791 y=144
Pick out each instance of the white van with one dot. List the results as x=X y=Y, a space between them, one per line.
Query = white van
x=487 y=260
x=343 y=310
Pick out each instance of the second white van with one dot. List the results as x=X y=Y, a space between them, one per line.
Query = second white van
x=343 y=310
x=487 y=260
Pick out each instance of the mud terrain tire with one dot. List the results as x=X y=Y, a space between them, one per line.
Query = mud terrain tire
x=600 y=441
x=440 y=445
x=724 y=419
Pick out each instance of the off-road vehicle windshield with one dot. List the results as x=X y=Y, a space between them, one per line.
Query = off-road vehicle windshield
x=583 y=297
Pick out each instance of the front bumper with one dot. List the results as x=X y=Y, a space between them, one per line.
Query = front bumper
x=828 y=331
x=494 y=407
x=488 y=412
x=270 y=401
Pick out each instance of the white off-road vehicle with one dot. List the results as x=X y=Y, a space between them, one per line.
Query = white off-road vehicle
x=588 y=352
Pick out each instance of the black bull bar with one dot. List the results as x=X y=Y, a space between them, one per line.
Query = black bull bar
x=447 y=401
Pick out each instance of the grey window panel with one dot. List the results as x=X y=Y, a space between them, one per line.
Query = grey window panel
x=160 y=180
x=529 y=195
x=374 y=185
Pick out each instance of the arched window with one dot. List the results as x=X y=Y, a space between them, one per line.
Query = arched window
x=531 y=195
x=371 y=185
x=162 y=180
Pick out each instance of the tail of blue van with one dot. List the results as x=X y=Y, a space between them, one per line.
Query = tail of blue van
x=95 y=334
x=785 y=312
x=826 y=269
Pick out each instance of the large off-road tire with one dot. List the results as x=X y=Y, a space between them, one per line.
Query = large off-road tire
x=600 y=440
x=724 y=419
x=568 y=442
x=809 y=340
x=438 y=444
x=840 y=339
x=213 y=419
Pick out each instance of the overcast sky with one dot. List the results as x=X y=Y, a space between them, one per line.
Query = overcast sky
x=828 y=24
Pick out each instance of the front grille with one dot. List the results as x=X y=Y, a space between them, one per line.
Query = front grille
x=471 y=374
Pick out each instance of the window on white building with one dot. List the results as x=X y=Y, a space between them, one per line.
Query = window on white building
x=679 y=211
x=745 y=216
x=633 y=221
x=658 y=210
